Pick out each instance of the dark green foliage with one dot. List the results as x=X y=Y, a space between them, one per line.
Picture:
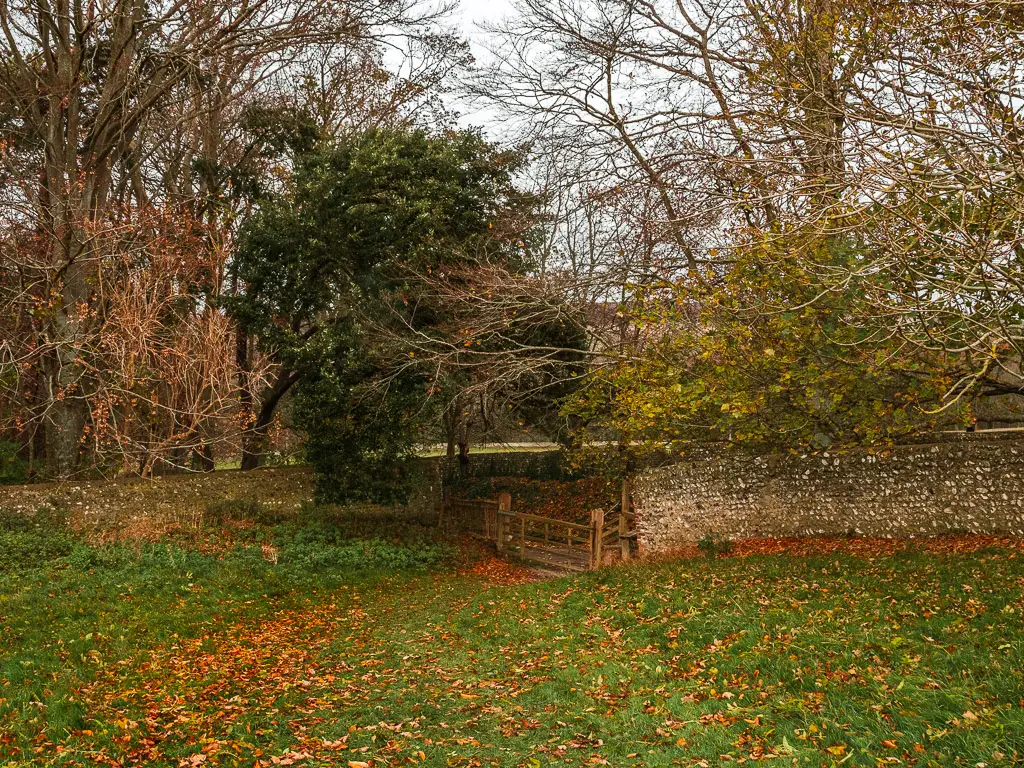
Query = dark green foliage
x=367 y=522
x=325 y=272
x=32 y=549
x=714 y=546
x=359 y=428
x=361 y=217
x=85 y=558
x=538 y=396
x=13 y=469
x=33 y=540
x=359 y=554
x=274 y=134
x=280 y=131
x=358 y=538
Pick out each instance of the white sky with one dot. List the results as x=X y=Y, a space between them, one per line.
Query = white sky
x=473 y=11
x=469 y=14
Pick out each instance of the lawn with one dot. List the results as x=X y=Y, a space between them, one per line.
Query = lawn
x=169 y=656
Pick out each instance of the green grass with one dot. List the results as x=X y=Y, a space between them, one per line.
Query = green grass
x=171 y=657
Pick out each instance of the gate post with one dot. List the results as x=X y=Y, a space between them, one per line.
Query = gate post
x=504 y=505
x=596 y=526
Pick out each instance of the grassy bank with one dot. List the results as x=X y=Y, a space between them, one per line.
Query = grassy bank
x=168 y=656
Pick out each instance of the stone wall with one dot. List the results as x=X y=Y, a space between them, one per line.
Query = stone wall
x=542 y=464
x=185 y=497
x=966 y=483
x=188 y=495
x=161 y=503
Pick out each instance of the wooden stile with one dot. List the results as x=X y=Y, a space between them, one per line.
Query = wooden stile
x=535 y=538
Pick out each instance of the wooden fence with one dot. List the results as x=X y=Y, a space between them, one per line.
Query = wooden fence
x=546 y=540
x=479 y=516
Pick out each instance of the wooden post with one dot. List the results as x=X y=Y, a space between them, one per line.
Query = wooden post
x=504 y=505
x=625 y=510
x=522 y=536
x=596 y=529
x=491 y=522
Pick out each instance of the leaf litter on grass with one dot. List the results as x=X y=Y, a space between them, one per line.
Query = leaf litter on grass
x=893 y=657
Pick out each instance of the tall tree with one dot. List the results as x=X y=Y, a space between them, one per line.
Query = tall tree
x=864 y=150
x=119 y=118
x=334 y=264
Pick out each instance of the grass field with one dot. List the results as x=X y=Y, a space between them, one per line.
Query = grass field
x=168 y=656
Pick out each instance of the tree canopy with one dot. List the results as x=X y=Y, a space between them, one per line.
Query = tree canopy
x=329 y=281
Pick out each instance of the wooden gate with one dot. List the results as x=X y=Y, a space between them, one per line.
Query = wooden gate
x=479 y=516
x=547 y=540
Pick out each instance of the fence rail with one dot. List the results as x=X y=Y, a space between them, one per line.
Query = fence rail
x=478 y=516
x=546 y=540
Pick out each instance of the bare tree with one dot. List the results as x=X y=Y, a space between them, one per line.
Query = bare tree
x=892 y=128
x=119 y=116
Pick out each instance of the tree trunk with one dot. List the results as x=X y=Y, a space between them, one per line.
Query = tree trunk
x=451 y=432
x=250 y=459
x=65 y=425
x=67 y=411
x=254 y=440
x=202 y=458
x=253 y=447
x=463 y=446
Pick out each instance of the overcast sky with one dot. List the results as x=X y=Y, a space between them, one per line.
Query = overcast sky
x=470 y=13
x=473 y=11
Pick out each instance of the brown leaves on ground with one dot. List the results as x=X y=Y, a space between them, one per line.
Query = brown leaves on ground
x=477 y=559
x=858 y=546
x=500 y=571
x=241 y=672
x=872 y=547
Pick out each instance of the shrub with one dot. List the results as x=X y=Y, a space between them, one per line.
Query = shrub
x=360 y=538
x=13 y=469
x=366 y=522
x=26 y=549
x=714 y=546
x=358 y=441
x=33 y=539
x=358 y=555
x=111 y=556
x=242 y=510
